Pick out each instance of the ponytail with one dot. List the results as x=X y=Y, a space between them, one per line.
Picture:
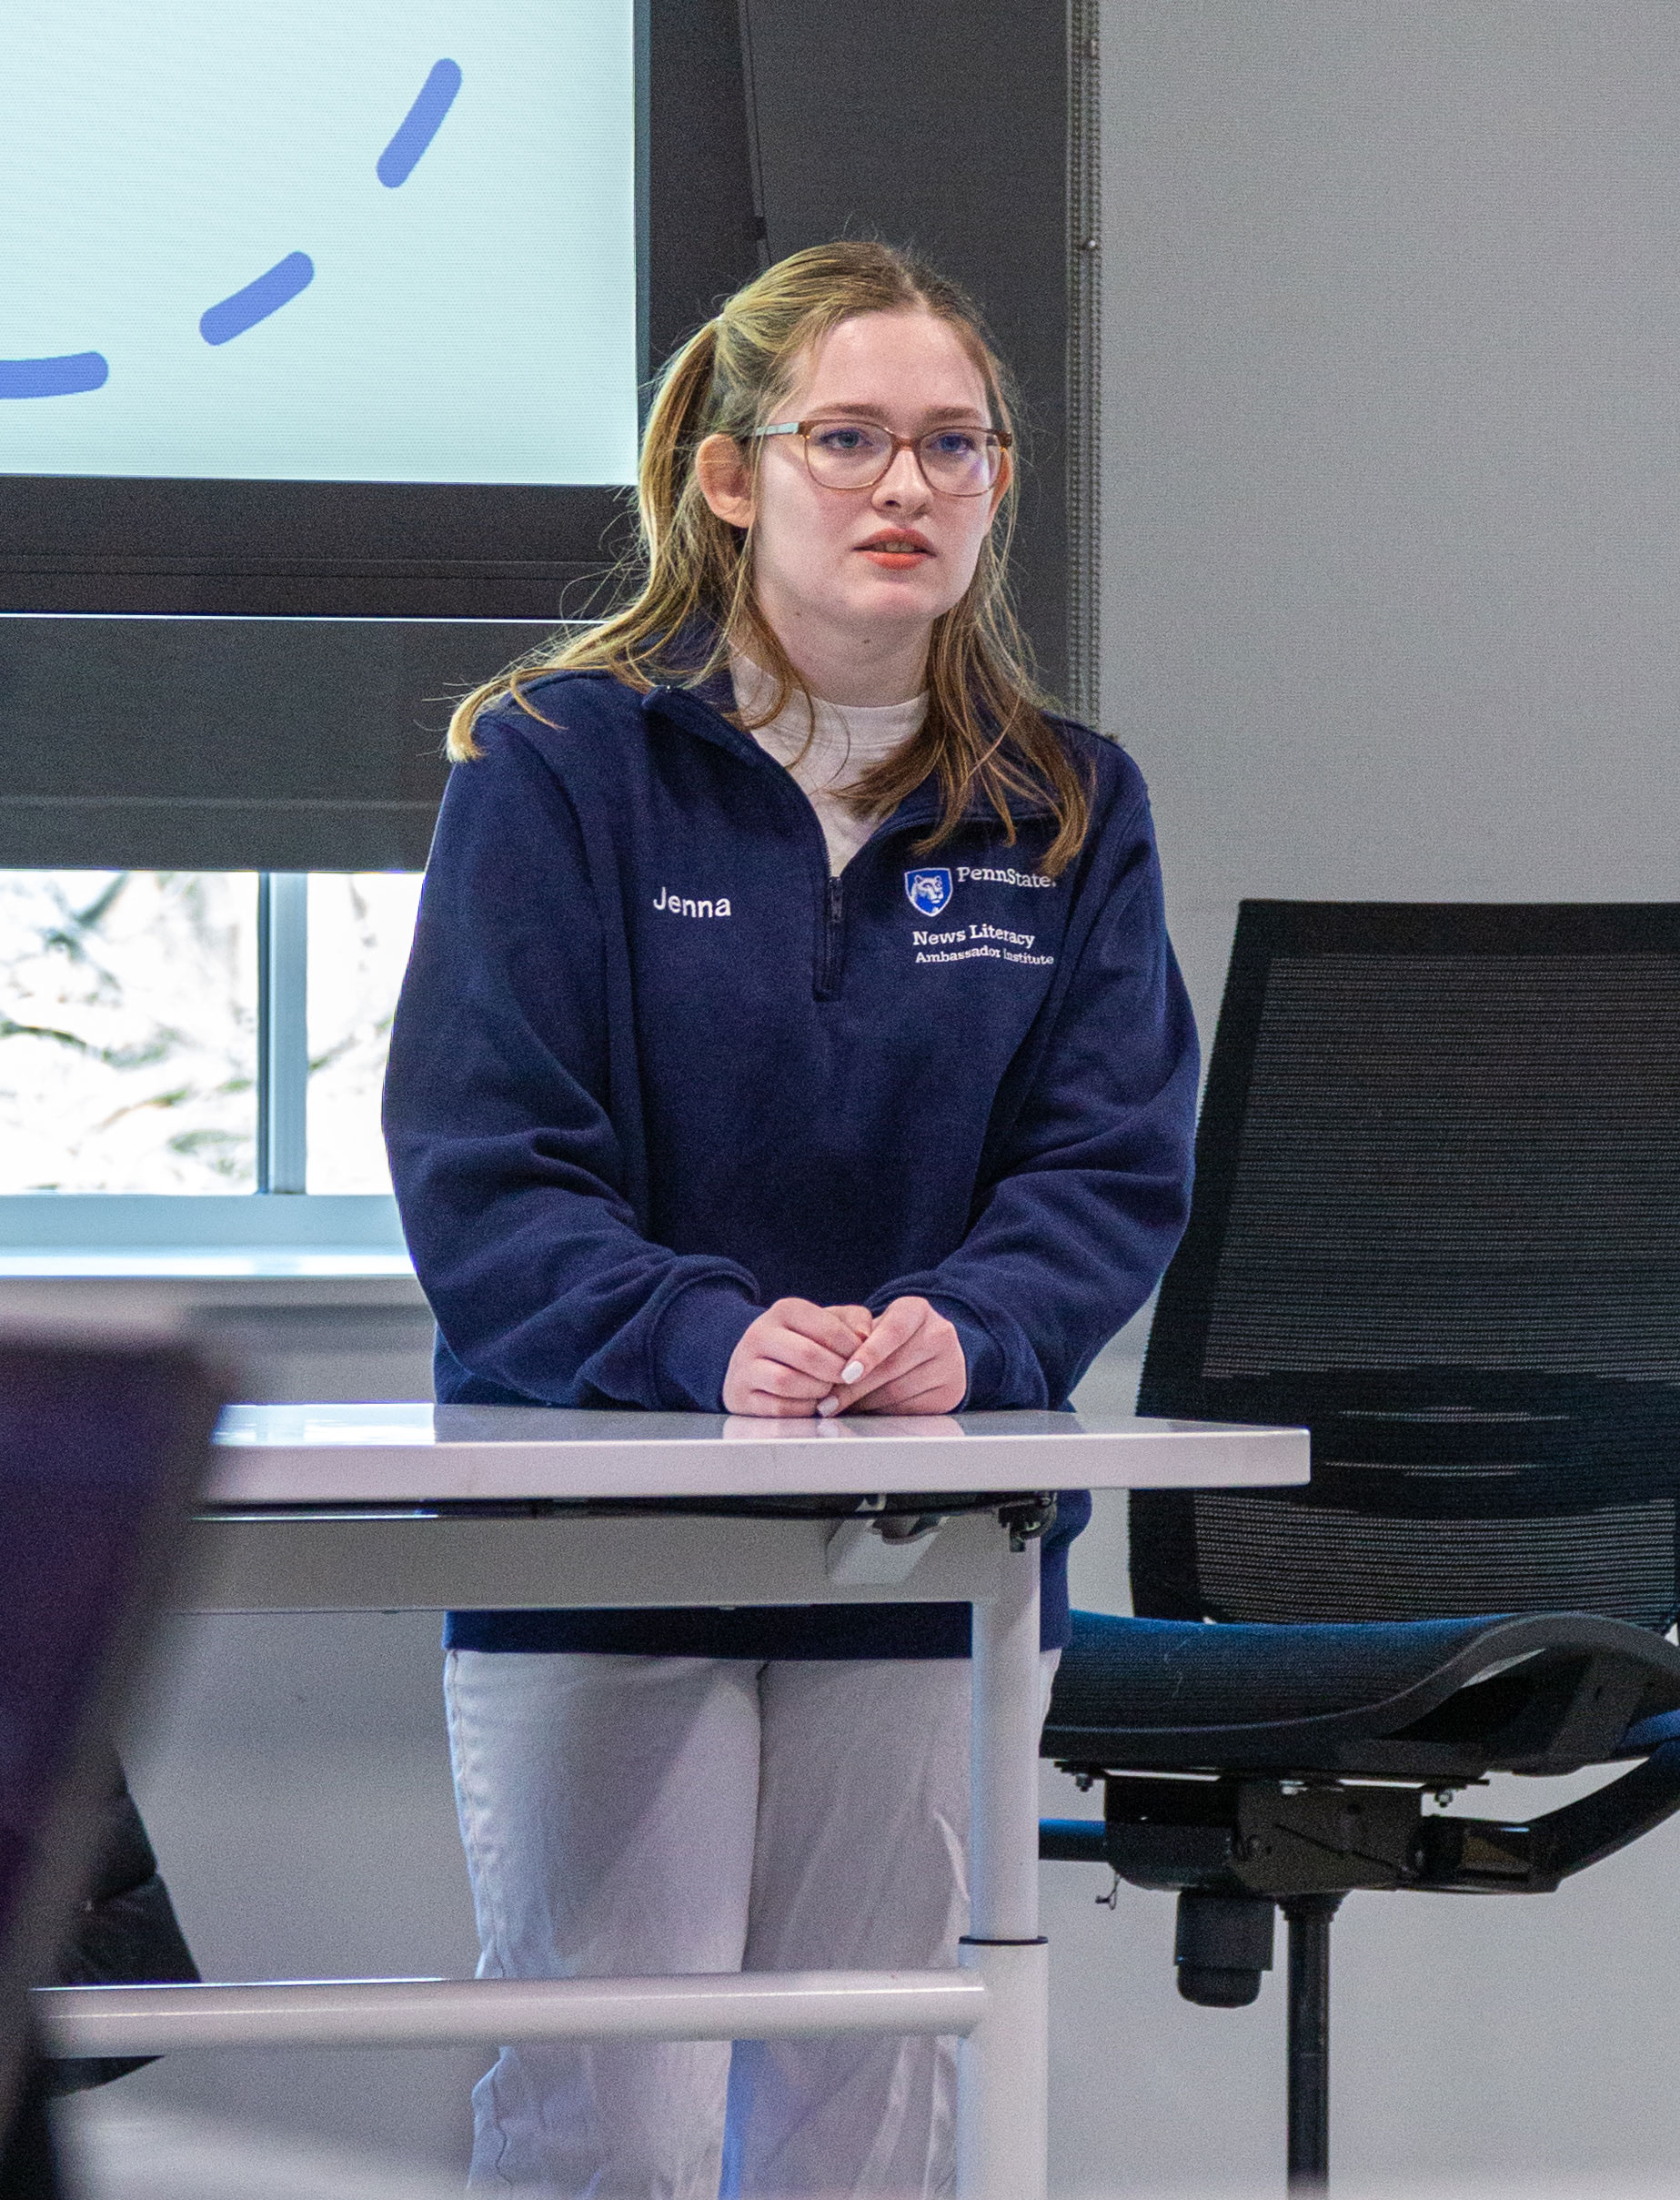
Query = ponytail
x=676 y=428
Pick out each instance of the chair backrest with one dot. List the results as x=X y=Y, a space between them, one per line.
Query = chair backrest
x=1437 y=1218
x=102 y=1449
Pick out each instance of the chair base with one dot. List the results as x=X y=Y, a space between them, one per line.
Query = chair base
x=1235 y=1850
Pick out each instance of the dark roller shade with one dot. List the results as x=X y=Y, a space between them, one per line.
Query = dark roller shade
x=232 y=744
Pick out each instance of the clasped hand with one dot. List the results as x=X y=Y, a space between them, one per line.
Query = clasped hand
x=797 y=1359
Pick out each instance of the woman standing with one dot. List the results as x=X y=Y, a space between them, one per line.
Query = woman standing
x=792 y=1028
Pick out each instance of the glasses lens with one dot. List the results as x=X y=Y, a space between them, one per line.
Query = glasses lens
x=962 y=461
x=848 y=454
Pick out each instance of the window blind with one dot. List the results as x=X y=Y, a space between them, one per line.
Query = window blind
x=232 y=744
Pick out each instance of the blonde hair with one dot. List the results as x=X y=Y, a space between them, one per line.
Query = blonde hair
x=986 y=736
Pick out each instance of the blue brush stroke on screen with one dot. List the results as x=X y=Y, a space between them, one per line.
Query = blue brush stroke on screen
x=64 y=377
x=420 y=125
x=233 y=316
x=76 y=371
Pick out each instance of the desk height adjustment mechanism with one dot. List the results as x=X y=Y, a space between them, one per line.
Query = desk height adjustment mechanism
x=1029 y=1518
x=873 y=1548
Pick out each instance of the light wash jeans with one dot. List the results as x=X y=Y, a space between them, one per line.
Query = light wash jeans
x=628 y=1816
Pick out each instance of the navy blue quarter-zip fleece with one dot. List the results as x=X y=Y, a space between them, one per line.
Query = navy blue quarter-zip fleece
x=652 y=1068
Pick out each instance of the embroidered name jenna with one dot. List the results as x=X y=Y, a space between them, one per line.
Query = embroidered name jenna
x=680 y=907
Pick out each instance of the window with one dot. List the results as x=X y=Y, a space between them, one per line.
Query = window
x=127 y=1031
x=169 y=1039
x=360 y=928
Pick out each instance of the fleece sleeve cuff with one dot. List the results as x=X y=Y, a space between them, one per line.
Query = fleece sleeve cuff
x=697 y=1335
x=981 y=1354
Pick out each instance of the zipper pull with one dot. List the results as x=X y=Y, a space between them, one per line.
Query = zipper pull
x=829 y=946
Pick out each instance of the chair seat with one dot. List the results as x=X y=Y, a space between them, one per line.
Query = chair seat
x=1425 y=1699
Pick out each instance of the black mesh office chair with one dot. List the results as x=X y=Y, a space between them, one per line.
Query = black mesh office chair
x=1436 y=1220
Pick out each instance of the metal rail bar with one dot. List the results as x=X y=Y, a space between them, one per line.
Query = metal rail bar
x=435 y=2012
x=1073 y=1840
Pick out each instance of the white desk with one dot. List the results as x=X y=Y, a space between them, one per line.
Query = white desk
x=325 y=1508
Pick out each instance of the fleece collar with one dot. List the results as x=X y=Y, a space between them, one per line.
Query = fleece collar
x=699 y=710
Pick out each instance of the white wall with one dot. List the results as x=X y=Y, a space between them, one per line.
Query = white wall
x=1392 y=557
x=1391 y=465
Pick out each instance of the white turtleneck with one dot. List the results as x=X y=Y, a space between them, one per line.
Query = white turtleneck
x=830 y=756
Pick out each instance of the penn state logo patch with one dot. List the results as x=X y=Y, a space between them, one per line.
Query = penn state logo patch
x=929 y=891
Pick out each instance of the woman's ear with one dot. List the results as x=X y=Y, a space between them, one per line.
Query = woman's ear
x=726 y=479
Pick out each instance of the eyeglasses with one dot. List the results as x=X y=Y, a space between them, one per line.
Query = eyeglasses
x=959 y=461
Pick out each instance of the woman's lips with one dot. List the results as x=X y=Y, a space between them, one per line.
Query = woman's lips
x=896 y=553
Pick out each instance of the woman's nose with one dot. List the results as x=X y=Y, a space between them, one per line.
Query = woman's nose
x=903 y=483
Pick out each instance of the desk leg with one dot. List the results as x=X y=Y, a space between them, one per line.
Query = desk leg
x=1003 y=2071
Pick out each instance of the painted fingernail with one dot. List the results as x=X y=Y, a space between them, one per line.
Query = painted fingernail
x=828 y=1405
x=851 y=1371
